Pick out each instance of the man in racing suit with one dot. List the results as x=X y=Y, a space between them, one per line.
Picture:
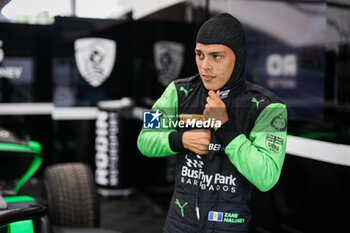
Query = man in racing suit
x=228 y=135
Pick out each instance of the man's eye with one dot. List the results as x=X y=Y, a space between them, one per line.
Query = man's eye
x=217 y=56
x=199 y=55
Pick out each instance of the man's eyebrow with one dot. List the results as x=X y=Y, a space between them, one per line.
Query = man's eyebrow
x=216 y=53
x=210 y=53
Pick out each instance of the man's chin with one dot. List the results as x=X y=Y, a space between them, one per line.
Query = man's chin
x=210 y=86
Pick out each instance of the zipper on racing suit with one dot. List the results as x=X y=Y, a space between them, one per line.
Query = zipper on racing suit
x=199 y=187
x=197 y=194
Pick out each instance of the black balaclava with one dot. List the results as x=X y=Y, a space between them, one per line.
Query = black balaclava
x=227 y=30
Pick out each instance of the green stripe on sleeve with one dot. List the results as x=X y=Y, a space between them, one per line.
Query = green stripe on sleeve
x=260 y=157
x=155 y=142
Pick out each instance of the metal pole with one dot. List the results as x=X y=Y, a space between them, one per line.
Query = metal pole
x=73 y=7
x=206 y=10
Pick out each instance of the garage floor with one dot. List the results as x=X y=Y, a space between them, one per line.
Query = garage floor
x=134 y=214
x=140 y=212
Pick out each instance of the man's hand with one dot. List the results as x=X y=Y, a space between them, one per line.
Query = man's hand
x=215 y=108
x=197 y=140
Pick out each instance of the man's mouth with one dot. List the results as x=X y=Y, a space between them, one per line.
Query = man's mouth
x=208 y=77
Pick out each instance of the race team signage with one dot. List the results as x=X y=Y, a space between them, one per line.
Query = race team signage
x=95 y=58
x=169 y=57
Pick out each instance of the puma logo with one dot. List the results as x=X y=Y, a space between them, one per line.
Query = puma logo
x=184 y=90
x=257 y=102
x=181 y=206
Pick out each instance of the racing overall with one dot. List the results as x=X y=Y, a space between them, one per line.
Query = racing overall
x=212 y=191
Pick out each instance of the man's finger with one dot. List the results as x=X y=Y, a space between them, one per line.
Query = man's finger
x=204 y=142
x=206 y=133
x=203 y=148
x=212 y=94
x=202 y=152
x=210 y=101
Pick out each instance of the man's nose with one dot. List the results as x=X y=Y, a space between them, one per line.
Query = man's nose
x=206 y=64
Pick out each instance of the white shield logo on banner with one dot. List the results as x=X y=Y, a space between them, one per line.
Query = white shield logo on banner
x=95 y=58
x=169 y=58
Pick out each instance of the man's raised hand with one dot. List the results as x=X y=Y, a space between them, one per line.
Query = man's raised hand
x=215 y=108
x=197 y=140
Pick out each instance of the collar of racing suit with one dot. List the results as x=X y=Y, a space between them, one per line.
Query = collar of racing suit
x=233 y=88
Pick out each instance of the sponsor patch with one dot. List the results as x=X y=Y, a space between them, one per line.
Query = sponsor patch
x=224 y=94
x=279 y=123
x=215 y=216
x=194 y=162
x=257 y=102
x=177 y=202
x=185 y=91
x=274 y=143
x=196 y=117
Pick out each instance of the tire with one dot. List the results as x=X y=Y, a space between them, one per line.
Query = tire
x=70 y=192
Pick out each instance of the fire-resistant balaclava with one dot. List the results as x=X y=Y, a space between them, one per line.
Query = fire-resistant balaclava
x=227 y=30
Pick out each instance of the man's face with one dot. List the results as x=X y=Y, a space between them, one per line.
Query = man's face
x=215 y=64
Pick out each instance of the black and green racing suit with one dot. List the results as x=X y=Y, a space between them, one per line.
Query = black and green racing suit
x=212 y=191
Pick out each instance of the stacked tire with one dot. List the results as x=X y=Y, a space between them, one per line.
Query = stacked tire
x=71 y=195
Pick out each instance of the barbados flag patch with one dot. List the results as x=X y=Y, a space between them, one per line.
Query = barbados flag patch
x=215 y=216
